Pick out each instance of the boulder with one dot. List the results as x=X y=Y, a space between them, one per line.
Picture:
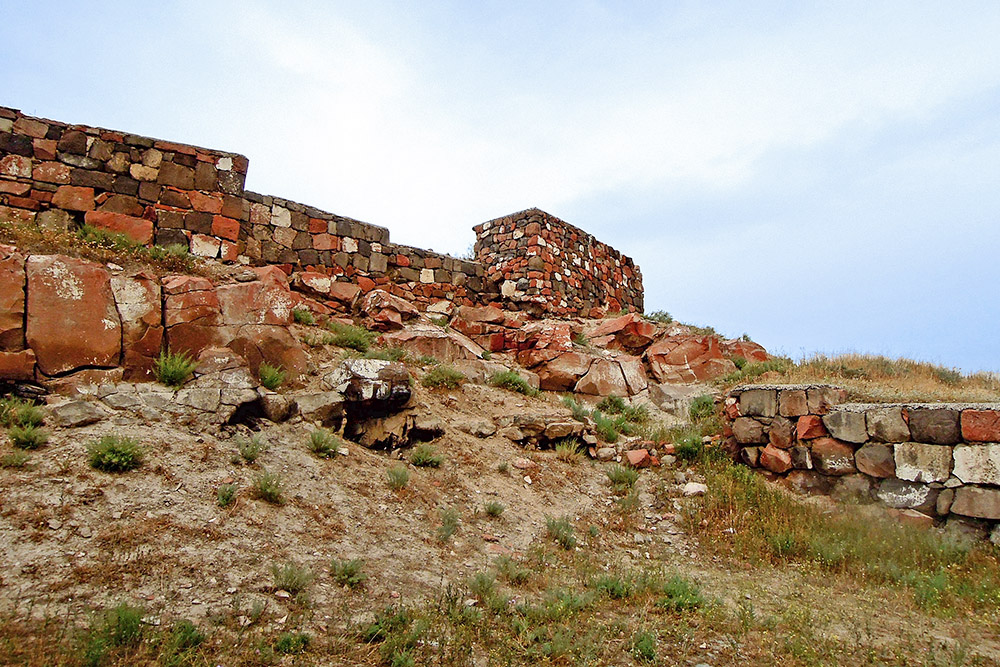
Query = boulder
x=901 y=494
x=887 y=424
x=809 y=427
x=139 y=306
x=846 y=426
x=432 y=341
x=759 y=403
x=977 y=425
x=749 y=431
x=681 y=358
x=604 y=378
x=776 y=460
x=563 y=372
x=978 y=464
x=746 y=349
x=370 y=380
x=919 y=462
x=72 y=321
x=675 y=399
x=939 y=426
x=481 y=314
x=792 y=403
x=782 y=433
x=386 y=311
x=634 y=373
x=630 y=333
x=192 y=314
x=71 y=414
x=17 y=365
x=12 y=278
x=821 y=399
x=273 y=345
x=324 y=406
x=257 y=302
x=876 y=460
x=831 y=457
x=976 y=502
x=808 y=482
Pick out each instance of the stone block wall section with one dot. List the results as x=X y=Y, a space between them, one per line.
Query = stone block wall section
x=931 y=461
x=59 y=175
x=542 y=263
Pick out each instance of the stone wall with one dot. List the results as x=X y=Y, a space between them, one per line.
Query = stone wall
x=543 y=264
x=60 y=176
x=931 y=461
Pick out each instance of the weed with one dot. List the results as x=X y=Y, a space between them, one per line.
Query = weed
x=291 y=577
x=503 y=467
x=115 y=453
x=616 y=588
x=486 y=355
x=225 y=495
x=387 y=354
x=15 y=459
x=303 y=316
x=348 y=572
x=644 y=646
x=268 y=487
x=250 y=448
x=688 y=445
x=580 y=339
x=449 y=524
x=606 y=427
x=493 y=509
x=443 y=376
x=390 y=620
x=174 y=368
x=512 y=572
x=622 y=478
x=739 y=362
x=701 y=407
x=482 y=584
x=511 y=381
x=425 y=456
x=19 y=412
x=612 y=405
x=427 y=360
x=661 y=316
x=292 y=643
x=324 y=443
x=123 y=625
x=680 y=594
x=27 y=437
x=568 y=450
x=271 y=377
x=561 y=530
x=350 y=336
x=183 y=639
x=593 y=531
x=439 y=320
x=398 y=477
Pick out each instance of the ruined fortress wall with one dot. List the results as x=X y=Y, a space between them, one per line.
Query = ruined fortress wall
x=539 y=260
x=59 y=175
x=928 y=461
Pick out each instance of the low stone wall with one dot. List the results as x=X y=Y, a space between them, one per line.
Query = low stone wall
x=543 y=264
x=938 y=461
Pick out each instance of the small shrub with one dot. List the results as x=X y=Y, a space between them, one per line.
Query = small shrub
x=503 y=467
x=424 y=455
x=606 y=427
x=580 y=339
x=561 y=530
x=291 y=643
x=15 y=459
x=303 y=316
x=614 y=405
x=493 y=509
x=427 y=360
x=19 y=412
x=644 y=646
x=323 y=443
x=511 y=381
x=617 y=588
x=250 y=448
x=486 y=355
x=291 y=577
x=482 y=584
x=449 y=524
x=348 y=572
x=580 y=413
x=443 y=376
x=268 y=487
x=347 y=335
x=114 y=453
x=622 y=478
x=27 y=437
x=123 y=625
x=388 y=621
x=184 y=637
x=225 y=495
x=387 y=354
x=439 y=320
x=398 y=477
x=688 y=445
x=568 y=450
x=661 y=316
x=702 y=407
x=739 y=362
x=173 y=369
x=271 y=377
x=680 y=594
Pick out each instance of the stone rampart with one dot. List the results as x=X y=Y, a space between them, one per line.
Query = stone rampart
x=542 y=263
x=60 y=176
x=931 y=461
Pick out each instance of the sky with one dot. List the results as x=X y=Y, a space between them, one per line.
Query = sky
x=822 y=176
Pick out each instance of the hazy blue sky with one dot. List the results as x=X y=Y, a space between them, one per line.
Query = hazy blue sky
x=822 y=176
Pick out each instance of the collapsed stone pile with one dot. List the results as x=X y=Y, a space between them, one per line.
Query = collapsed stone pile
x=929 y=460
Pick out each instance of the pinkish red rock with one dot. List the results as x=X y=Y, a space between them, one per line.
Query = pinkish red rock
x=72 y=321
x=255 y=302
x=433 y=341
x=564 y=372
x=192 y=314
x=546 y=335
x=74 y=198
x=604 y=378
x=688 y=359
x=634 y=372
x=387 y=310
x=271 y=344
x=776 y=460
x=640 y=458
x=484 y=314
x=11 y=301
x=344 y=292
x=628 y=332
x=226 y=228
x=15 y=166
x=205 y=203
x=809 y=427
x=139 y=230
x=17 y=365
x=51 y=172
x=744 y=348
x=981 y=425
x=138 y=300
x=312 y=282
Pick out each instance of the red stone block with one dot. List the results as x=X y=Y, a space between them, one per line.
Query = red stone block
x=51 y=172
x=23 y=202
x=317 y=226
x=176 y=148
x=229 y=251
x=640 y=458
x=981 y=425
x=14 y=188
x=139 y=230
x=205 y=203
x=326 y=242
x=44 y=149
x=15 y=166
x=226 y=228
x=809 y=427
x=73 y=198
x=366 y=284
x=31 y=127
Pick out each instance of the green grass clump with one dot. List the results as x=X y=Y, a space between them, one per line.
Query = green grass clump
x=511 y=571
x=350 y=336
x=291 y=577
x=115 y=453
x=250 y=448
x=387 y=354
x=580 y=339
x=511 y=381
x=688 y=445
x=580 y=413
x=644 y=646
x=324 y=443
x=225 y=495
x=568 y=450
x=398 y=477
x=181 y=643
x=701 y=408
x=680 y=594
x=622 y=478
x=608 y=428
x=271 y=377
x=443 y=376
x=561 y=530
x=449 y=524
x=612 y=405
x=493 y=509
x=616 y=588
x=303 y=316
x=15 y=459
x=424 y=455
x=661 y=316
x=269 y=487
x=27 y=437
x=174 y=369
x=292 y=643
x=348 y=572
x=19 y=412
